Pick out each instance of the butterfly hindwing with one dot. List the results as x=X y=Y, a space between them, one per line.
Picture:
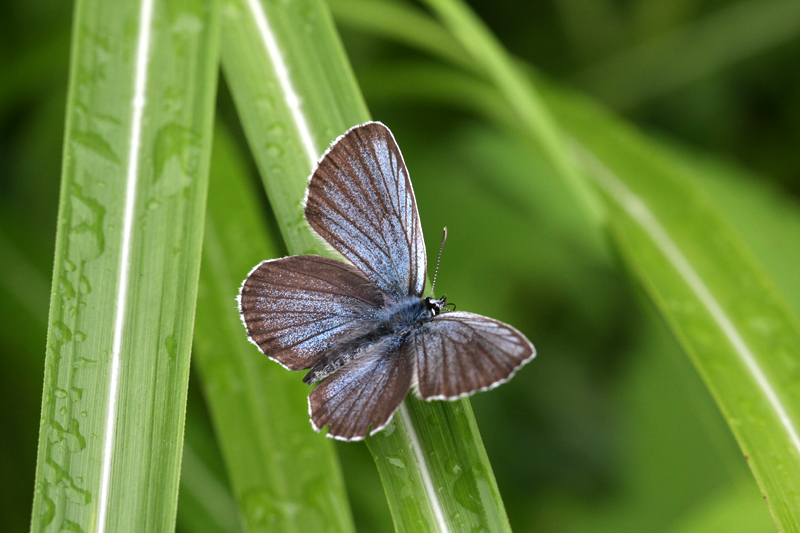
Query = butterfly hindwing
x=296 y=308
x=360 y=200
x=459 y=353
x=365 y=393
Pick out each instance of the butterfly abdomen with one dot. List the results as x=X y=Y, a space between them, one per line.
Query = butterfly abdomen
x=390 y=328
x=347 y=349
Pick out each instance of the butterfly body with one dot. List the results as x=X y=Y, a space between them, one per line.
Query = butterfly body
x=402 y=317
x=363 y=329
x=397 y=321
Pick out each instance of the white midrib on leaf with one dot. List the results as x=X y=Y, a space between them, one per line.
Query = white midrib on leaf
x=424 y=471
x=639 y=211
x=123 y=278
x=282 y=72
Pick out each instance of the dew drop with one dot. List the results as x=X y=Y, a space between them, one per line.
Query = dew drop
x=66 y=288
x=276 y=129
x=61 y=331
x=49 y=511
x=70 y=526
x=274 y=150
x=88 y=215
x=257 y=507
x=171 y=344
x=396 y=461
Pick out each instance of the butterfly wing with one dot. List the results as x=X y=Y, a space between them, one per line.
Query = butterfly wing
x=297 y=308
x=363 y=394
x=459 y=353
x=360 y=200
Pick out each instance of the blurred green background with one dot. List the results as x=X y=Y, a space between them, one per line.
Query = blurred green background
x=610 y=428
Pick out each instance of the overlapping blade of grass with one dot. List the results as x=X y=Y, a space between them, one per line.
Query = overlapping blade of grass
x=205 y=502
x=139 y=112
x=723 y=308
x=284 y=476
x=719 y=302
x=688 y=53
x=500 y=68
x=295 y=93
x=405 y=24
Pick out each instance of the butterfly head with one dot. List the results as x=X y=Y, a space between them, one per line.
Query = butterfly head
x=436 y=305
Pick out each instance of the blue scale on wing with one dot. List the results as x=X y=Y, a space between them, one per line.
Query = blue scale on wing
x=365 y=393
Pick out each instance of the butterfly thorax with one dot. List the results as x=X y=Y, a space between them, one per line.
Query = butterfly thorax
x=408 y=314
x=393 y=323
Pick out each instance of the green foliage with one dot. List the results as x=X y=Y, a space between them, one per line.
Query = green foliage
x=618 y=249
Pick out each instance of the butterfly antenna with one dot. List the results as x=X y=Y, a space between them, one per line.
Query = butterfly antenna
x=444 y=238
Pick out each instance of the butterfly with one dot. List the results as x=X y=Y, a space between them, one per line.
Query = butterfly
x=363 y=329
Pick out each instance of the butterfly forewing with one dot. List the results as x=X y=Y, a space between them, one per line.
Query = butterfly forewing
x=365 y=393
x=361 y=202
x=296 y=308
x=459 y=353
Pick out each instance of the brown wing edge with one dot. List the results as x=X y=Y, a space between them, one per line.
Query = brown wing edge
x=241 y=311
x=351 y=439
x=325 y=154
x=358 y=437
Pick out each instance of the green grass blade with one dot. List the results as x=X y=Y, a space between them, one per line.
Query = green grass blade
x=284 y=477
x=721 y=305
x=139 y=112
x=498 y=66
x=402 y=23
x=294 y=92
x=26 y=291
x=755 y=387
x=446 y=448
x=205 y=503
x=271 y=66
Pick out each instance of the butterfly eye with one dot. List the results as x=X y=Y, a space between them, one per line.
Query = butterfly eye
x=435 y=305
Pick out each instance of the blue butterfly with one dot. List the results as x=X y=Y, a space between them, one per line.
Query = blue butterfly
x=364 y=330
